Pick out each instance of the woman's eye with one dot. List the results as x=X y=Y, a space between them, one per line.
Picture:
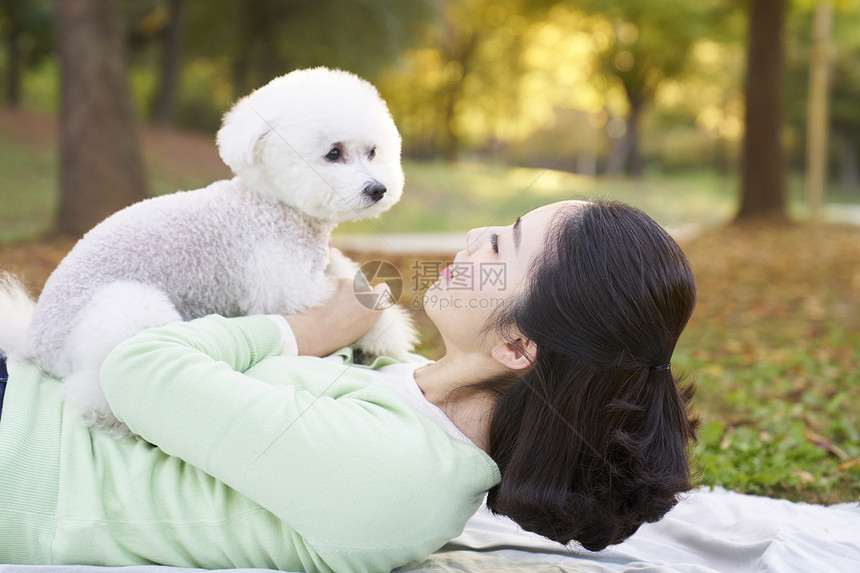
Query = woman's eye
x=494 y=242
x=372 y=153
x=333 y=155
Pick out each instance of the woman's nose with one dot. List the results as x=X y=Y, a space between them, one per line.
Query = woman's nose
x=474 y=238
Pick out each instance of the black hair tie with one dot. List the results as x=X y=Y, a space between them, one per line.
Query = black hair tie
x=662 y=367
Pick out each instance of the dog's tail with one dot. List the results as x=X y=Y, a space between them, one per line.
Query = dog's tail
x=16 y=310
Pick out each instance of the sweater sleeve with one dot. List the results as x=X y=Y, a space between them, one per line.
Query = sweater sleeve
x=329 y=453
x=289 y=344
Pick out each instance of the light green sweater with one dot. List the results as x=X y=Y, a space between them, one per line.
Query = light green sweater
x=293 y=463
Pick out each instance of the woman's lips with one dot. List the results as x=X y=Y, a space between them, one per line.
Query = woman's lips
x=447 y=273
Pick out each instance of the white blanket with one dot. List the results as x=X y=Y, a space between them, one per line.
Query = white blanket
x=709 y=532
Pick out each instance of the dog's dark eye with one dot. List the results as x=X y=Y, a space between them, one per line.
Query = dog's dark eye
x=333 y=155
x=372 y=153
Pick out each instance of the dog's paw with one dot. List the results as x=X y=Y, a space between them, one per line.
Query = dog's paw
x=83 y=393
x=393 y=335
x=106 y=423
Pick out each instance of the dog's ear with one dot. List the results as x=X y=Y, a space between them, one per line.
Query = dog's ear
x=241 y=133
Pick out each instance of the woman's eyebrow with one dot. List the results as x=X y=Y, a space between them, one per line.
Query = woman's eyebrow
x=517 y=234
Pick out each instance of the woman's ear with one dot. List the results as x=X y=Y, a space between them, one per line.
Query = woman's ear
x=516 y=355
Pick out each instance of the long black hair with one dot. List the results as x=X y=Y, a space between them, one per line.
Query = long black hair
x=593 y=440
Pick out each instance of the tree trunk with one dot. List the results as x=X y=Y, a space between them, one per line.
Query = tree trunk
x=100 y=164
x=248 y=26
x=637 y=162
x=240 y=71
x=762 y=165
x=457 y=49
x=164 y=108
x=13 y=51
x=849 y=172
x=450 y=137
x=618 y=156
x=626 y=153
x=817 y=110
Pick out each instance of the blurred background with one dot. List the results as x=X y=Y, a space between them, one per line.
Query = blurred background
x=734 y=123
x=649 y=94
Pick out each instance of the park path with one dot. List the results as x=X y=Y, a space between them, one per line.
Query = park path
x=448 y=243
x=842 y=213
x=444 y=243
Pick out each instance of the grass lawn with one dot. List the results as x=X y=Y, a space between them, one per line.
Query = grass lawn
x=452 y=197
x=774 y=345
x=28 y=189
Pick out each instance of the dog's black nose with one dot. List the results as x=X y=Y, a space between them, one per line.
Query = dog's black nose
x=375 y=191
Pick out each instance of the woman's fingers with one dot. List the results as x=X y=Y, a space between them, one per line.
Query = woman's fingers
x=339 y=321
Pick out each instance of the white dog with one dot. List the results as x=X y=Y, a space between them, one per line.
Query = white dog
x=309 y=150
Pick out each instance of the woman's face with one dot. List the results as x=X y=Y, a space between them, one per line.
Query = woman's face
x=493 y=268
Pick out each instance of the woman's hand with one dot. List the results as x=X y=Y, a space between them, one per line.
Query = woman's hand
x=338 y=322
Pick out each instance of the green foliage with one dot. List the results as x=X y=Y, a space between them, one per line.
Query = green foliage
x=32 y=20
x=262 y=39
x=476 y=76
x=461 y=84
x=650 y=41
x=41 y=87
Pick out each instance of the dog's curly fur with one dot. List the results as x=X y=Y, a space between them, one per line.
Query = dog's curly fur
x=309 y=150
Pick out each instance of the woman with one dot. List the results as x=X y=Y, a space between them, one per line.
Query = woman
x=555 y=394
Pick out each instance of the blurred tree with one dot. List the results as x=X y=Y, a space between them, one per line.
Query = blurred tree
x=462 y=87
x=266 y=38
x=28 y=38
x=844 y=87
x=486 y=77
x=650 y=44
x=13 y=28
x=100 y=164
x=844 y=95
x=762 y=165
x=479 y=42
x=817 y=123
x=461 y=32
x=164 y=103
x=230 y=48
